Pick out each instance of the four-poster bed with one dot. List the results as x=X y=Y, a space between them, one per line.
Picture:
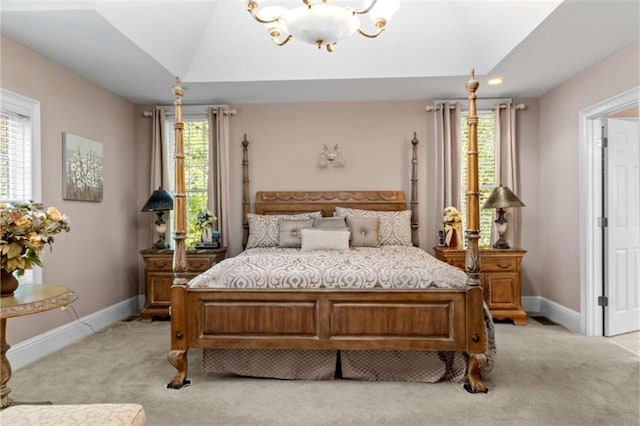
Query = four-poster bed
x=381 y=318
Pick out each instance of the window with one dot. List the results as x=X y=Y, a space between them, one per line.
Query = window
x=196 y=151
x=486 y=170
x=20 y=155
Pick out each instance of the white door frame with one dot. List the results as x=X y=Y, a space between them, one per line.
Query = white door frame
x=590 y=203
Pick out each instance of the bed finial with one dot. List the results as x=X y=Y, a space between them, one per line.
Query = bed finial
x=177 y=91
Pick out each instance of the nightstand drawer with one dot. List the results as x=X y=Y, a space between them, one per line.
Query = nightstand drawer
x=502 y=264
x=164 y=263
x=199 y=264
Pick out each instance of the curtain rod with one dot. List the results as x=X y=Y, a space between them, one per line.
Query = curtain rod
x=431 y=108
x=230 y=112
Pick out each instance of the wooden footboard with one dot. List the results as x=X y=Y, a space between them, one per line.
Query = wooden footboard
x=426 y=320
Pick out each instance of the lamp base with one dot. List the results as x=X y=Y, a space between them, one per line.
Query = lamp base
x=501 y=244
x=501 y=225
x=161 y=244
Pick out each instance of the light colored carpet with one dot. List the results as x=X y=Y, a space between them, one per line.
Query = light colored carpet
x=630 y=341
x=544 y=375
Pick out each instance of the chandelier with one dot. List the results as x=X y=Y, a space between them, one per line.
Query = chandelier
x=322 y=24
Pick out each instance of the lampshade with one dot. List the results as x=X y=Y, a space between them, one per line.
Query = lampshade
x=501 y=198
x=160 y=200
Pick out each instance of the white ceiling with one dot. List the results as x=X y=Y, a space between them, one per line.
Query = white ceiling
x=136 y=48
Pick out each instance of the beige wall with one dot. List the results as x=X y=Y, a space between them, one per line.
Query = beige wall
x=286 y=140
x=98 y=258
x=559 y=175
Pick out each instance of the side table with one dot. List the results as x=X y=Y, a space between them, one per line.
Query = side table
x=26 y=300
x=499 y=277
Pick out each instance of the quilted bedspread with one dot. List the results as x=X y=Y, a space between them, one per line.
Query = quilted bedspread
x=385 y=267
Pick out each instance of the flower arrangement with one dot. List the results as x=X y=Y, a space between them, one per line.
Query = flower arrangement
x=451 y=216
x=25 y=228
x=452 y=220
x=205 y=219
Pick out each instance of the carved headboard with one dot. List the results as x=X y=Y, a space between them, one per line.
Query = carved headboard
x=327 y=201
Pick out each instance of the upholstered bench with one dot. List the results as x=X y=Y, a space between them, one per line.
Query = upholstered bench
x=81 y=414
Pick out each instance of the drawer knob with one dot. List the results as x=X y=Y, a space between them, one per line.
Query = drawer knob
x=179 y=334
x=503 y=266
x=161 y=265
x=475 y=338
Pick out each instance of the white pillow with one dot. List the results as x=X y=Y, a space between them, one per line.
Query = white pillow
x=264 y=230
x=323 y=239
x=395 y=226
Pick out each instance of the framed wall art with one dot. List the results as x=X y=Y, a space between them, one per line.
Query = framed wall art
x=82 y=168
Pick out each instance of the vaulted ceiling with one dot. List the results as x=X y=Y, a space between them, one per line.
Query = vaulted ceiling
x=136 y=48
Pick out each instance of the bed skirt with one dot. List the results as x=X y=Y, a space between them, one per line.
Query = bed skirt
x=411 y=366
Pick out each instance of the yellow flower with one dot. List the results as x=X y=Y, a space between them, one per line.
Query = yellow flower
x=54 y=214
x=23 y=222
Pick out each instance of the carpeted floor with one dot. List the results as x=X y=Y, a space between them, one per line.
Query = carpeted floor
x=544 y=375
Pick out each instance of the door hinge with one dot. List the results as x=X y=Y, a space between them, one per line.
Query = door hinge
x=603 y=301
x=603 y=222
x=603 y=142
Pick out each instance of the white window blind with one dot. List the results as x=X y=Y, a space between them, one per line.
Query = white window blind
x=20 y=155
x=196 y=165
x=486 y=170
x=15 y=157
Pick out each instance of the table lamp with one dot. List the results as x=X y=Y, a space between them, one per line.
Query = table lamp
x=159 y=202
x=502 y=198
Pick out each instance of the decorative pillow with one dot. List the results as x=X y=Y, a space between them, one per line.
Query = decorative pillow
x=330 y=223
x=364 y=231
x=289 y=231
x=324 y=239
x=263 y=229
x=395 y=226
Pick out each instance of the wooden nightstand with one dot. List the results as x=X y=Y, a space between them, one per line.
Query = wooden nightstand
x=159 y=276
x=499 y=276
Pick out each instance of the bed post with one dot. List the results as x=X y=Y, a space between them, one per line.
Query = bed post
x=473 y=195
x=178 y=355
x=476 y=333
x=246 y=203
x=415 y=239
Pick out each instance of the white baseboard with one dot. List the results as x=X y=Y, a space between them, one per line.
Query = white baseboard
x=553 y=311
x=35 y=348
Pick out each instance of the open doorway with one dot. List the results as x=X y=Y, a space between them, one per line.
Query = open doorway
x=609 y=216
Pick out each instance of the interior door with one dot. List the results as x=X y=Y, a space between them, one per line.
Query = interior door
x=622 y=238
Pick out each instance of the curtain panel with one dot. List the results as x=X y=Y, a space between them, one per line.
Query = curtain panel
x=218 y=185
x=448 y=154
x=159 y=173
